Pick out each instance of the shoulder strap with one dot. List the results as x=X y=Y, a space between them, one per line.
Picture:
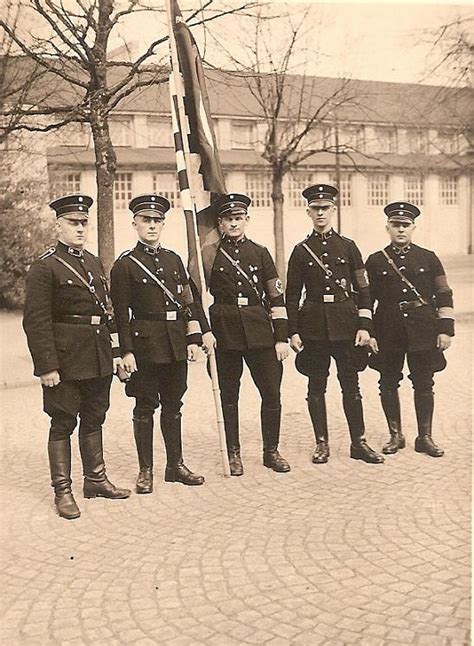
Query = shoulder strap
x=243 y=273
x=326 y=270
x=168 y=293
x=403 y=278
x=90 y=288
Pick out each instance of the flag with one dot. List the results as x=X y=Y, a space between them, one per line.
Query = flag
x=200 y=175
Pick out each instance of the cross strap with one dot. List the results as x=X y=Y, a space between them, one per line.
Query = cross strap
x=243 y=273
x=403 y=278
x=326 y=270
x=90 y=288
x=168 y=293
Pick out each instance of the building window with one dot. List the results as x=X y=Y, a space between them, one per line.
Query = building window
x=160 y=133
x=123 y=191
x=417 y=141
x=166 y=184
x=385 y=140
x=413 y=189
x=259 y=188
x=352 y=137
x=448 y=190
x=63 y=183
x=377 y=186
x=319 y=138
x=297 y=182
x=121 y=131
x=447 y=142
x=243 y=135
x=345 y=188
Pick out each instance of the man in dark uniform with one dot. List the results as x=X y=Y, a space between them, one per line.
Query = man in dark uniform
x=329 y=324
x=249 y=321
x=414 y=318
x=69 y=329
x=162 y=333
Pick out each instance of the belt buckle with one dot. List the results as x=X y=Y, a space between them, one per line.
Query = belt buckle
x=242 y=300
x=402 y=305
x=172 y=316
x=95 y=320
x=328 y=298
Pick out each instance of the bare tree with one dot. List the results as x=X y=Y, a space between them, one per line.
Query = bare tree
x=299 y=112
x=69 y=77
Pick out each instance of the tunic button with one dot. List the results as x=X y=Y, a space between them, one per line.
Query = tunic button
x=326 y=277
x=404 y=290
x=136 y=333
x=239 y=283
x=167 y=302
x=236 y=251
x=97 y=331
x=221 y=268
x=324 y=242
x=328 y=289
x=69 y=282
x=402 y=257
x=144 y=280
x=405 y=314
x=310 y=264
x=240 y=295
x=421 y=269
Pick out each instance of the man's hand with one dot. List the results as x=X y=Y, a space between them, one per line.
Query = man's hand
x=208 y=343
x=373 y=345
x=362 y=337
x=443 y=342
x=118 y=363
x=296 y=343
x=129 y=363
x=50 y=379
x=193 y=352
x=281 y=349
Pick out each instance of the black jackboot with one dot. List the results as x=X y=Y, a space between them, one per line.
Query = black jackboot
x=360 y=450
x=143 y=432
x=424 y=407
x=176 y=470
x=59 y=453
x=96 y=483
x=317 y=412
x=270 y=420
x=391 y=407
x=231 y=424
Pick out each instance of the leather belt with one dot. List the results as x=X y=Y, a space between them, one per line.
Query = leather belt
x=240 y=301
x=76 y=319
x=172 y=315
x=328 y=298
x=409 y=305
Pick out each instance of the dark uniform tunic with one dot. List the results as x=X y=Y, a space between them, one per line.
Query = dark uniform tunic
x=328 y=318
x=69 y=330
x=159 y=329
x=402 y=325
x=247 y=318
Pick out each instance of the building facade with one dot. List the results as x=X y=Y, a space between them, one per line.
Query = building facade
x=398 y=144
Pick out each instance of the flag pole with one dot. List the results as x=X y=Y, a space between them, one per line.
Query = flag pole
x=176 y=83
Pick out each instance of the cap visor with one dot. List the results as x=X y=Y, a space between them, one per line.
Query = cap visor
x=74 y=215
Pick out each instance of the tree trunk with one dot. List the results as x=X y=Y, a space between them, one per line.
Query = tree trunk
x=278 y=199
x=105 y=165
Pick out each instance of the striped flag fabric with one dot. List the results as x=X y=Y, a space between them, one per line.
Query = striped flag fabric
x=200 y=174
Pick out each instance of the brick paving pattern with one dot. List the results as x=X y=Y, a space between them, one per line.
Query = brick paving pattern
x=343 y=553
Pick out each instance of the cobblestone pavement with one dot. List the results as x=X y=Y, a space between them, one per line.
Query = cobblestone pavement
x=343 y=553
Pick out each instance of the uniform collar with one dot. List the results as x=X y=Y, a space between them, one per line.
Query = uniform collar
x=78 y=253
x=400 y=250
x=323 y=236
x=234 y=243
x=151 y=251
